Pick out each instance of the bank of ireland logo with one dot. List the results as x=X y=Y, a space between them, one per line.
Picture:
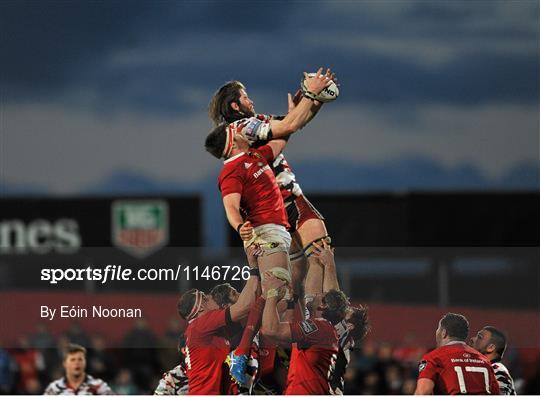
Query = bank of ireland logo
x=140 y=227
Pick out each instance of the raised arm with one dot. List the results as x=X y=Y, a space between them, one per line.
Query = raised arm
x=325 y=254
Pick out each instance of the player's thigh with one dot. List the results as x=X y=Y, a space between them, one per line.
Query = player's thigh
x=311 y=230
x=275 y=259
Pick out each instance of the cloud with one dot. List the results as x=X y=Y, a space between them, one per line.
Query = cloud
x=140 y=56
x=452 y=135
x=68 y=151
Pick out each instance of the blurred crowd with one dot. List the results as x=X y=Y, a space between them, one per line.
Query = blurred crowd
x=135 y=364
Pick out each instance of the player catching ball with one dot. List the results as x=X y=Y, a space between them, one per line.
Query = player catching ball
x=251 y=196
x=231 y=104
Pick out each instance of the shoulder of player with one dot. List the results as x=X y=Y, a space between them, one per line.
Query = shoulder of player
x=232 y=166
x=92 y=380
x=437 y=352
x=258 y=150
x=206 y=316
x=57 y=384
x=241 y=123
x=325 y=326
x=499 y=367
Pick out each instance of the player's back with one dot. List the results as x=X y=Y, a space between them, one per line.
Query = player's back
x=458 y=369
x=206 y=350
x=313 y=357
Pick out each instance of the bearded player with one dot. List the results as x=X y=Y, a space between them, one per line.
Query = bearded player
x=351 y=330
x=316 y=338
x=491 y=342
x=454 y=367
x=231 y=104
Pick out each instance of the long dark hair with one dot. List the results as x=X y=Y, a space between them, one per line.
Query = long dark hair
x=219 y=108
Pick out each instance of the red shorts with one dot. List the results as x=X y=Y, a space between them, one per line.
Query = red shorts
x=300 y=210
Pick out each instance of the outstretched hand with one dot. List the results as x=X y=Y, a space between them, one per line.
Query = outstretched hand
x=324 y=253
x=319 y=82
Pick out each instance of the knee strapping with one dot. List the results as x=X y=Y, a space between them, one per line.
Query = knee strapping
x=296 y=255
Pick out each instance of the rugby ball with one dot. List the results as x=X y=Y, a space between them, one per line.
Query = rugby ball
x=329 y=94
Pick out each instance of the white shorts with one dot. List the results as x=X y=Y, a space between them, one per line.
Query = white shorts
x=271 y=238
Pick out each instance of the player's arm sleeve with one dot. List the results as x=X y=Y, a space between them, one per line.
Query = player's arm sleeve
x=104 y=389
x=258 y=129
x=50 y=390
x=272 y=149
x=232 y=183
x=428 y=368
x=494 y=384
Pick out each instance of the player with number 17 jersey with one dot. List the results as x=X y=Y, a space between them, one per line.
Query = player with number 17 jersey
x=456 y=368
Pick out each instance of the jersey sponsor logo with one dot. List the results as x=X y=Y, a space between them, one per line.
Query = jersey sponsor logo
x=261 y=171
x=140 y=227
x=308 y=327
x=422 y=365
x=251 y=128
x=466 y=355
x=247 y=165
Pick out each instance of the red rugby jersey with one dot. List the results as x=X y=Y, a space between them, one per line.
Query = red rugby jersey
x=456 y=368
x=206 y=350
x=257 y=129
x=313 y=357
x=250 y=175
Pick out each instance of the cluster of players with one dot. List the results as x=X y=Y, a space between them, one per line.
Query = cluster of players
x=291 y=329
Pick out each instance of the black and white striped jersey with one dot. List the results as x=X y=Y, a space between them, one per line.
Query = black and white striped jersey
x=506 y=383
x=173 y=383
x=346 y=344
x=90 y=386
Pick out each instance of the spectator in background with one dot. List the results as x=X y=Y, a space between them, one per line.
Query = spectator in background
x=168 y=344
x=76 y=380
x=7 y=368
x=385 y=360
x=45 y=343
x=123 y=383
x=100 y=361
x=30 y=365
x=76 y=335
x=141 y=354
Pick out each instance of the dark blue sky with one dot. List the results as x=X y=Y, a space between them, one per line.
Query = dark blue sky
x=92 y=88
